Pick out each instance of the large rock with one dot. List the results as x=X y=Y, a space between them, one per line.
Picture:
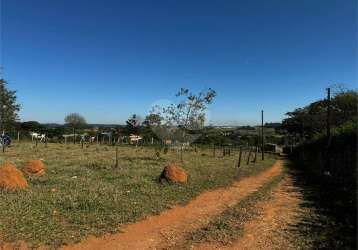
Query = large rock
x=174 y=173
x=34 y=167
x=11 y=177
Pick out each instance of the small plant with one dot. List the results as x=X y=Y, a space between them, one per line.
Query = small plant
x=221 y=225
x=165 y=150
x=157 y=154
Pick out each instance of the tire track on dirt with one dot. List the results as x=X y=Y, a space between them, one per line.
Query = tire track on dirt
x=270 y=230
x=171 y=225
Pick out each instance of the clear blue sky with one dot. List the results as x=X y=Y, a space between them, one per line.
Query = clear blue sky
x=109 y=59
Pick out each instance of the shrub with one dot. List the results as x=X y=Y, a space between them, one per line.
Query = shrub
x=340 y=156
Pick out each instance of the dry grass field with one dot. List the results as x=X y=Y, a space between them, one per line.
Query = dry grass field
x=82 y=193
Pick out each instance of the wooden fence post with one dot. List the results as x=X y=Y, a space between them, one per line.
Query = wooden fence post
x=239 y=163
x=248 y=157
x=116 y=156
x=255 y=156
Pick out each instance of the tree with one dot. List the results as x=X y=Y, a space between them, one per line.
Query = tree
x=188 y=115
x=150 y=124
x=133 y=124
x=76 y=121
x=33 y=126
x=153 y=119
x=8 y=107
x=311 y=119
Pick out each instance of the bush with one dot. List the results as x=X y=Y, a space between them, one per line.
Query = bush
x=340 y=156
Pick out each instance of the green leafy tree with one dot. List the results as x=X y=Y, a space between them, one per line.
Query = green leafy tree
x=75 y=120
x=153 y=119
x=32 y=126
x=133 y=125
x=310 y=120
x=9 y=107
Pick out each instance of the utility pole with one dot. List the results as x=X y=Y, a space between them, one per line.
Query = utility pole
x=262 y=136
x=328 y=167
x=239 y=163
x=328 y=115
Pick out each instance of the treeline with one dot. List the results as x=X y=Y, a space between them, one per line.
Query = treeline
x=334 y=157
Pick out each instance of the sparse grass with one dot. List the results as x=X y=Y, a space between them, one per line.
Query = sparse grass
x=83 y=194
x=229 y=225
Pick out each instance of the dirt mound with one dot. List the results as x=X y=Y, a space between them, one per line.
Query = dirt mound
x=174 y=173
x=11 y=177
x=35 y=167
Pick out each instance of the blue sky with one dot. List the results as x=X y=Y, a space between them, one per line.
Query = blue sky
x=109 y=59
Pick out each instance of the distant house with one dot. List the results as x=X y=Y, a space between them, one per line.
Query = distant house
x=134 y=139
x=167 y=142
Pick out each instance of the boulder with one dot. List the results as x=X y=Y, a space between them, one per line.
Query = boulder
x=34 y=167
x=174 y=173
x=11 y=177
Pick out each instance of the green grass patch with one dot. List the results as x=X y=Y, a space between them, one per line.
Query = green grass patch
x=83 y=194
